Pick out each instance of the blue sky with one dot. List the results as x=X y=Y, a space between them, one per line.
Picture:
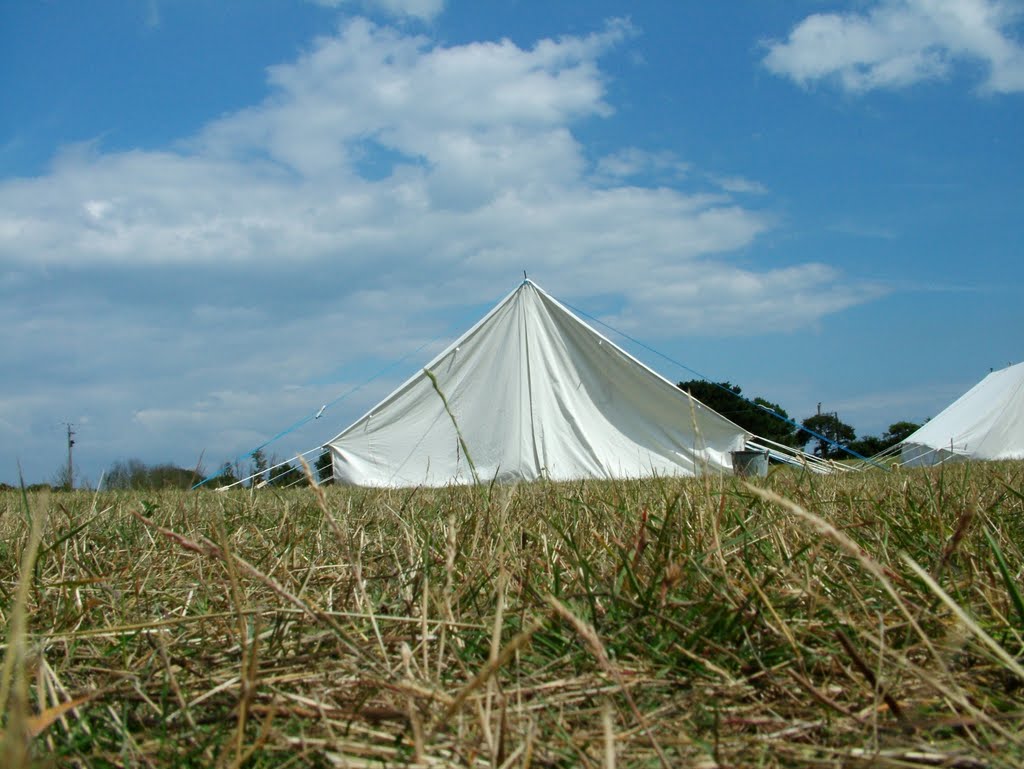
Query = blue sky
x=217 y=216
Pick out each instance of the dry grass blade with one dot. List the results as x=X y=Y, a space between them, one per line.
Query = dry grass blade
x=590 y=637
x=209 y=549
x=492 y=665
x=39 y=723
x=869 y=674
x=855 y=551
x=969 y=623
x=607 y=720
x=13 y=683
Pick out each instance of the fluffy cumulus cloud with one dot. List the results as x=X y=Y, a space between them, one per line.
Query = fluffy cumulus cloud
x=386 y=159
x=897 y=43
x=200 y=295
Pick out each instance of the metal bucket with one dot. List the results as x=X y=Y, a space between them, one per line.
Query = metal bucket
x=750 y=464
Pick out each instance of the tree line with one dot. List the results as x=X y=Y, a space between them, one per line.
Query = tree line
x=769 y=420
x=136 y=475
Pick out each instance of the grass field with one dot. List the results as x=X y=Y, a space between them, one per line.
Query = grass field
x=871 y=619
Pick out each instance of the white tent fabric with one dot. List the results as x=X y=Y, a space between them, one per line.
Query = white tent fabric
x=531 y=391
x=986 y=422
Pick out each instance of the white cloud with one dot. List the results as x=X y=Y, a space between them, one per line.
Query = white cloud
x=386 y=159
x=419 y=9
x=634 y=162
x=743 y=301
x=739 y=185
x=414 y=98
x=898 y=43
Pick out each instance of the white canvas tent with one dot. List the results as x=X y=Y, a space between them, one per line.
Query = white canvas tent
x=531 y=391
x=986 y=422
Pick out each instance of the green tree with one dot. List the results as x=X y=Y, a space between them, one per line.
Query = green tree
x=226 y=477
x=899 y=432
x=830 y=427
x=285 y=475
x=325 y=468
x=870 y=445
x=125 y=474
x=759 y=416
x=61 y=479
x=258 y=468
x=135 y=475
x=172 y=477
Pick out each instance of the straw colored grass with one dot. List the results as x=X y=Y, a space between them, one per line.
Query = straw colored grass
x=870 y=619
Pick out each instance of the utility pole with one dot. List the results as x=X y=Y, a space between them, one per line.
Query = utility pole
x=71 y=442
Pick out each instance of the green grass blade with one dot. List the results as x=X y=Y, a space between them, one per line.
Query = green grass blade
x=1011 y=584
